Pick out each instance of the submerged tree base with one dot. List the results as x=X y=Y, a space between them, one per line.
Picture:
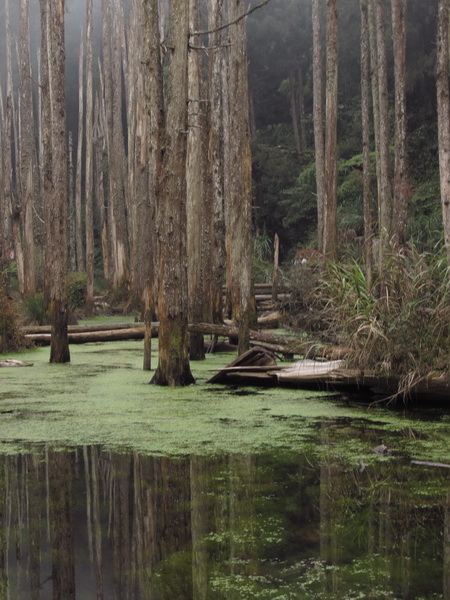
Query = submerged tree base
x=161 y=377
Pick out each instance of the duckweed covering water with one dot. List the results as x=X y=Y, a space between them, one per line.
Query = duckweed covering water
x=103 y=397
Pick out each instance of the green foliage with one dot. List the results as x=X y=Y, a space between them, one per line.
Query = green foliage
x=400 y=326
x=425 y=225
x=76 y=290
x=262 y=246
x=35 y=310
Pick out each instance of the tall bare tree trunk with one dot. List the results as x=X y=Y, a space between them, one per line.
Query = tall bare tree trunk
x=443 y=108
x=239 y=222
x=154 y=104
x=401 y=183
x=385 y=208
x=56 y=207
x=173 y=365
x=195 y=185
x=11 y=219
x=319 y=138
x=112 y=70
x=330 y=242
x=89 y=164
x=27 y=155
x=78 y=207
x=214 y=251
x=365 y=122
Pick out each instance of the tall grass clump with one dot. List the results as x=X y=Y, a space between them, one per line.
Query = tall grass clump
x=399 y=326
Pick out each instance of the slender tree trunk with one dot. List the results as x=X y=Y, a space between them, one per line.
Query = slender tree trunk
x=401 y=184
x=443 y=108
x=319 y=138
x=56 y=209
x=72 y=210
x=78 y=207
x=375 y=96
x=365 y=117
x=385 y=209
x=195 y=185
x=173 y=366
x=152 y=148
x=9 y=209
x=89 y=164
x=27 y=156
x=214 y=251
x=239 y=223
x=330 y=242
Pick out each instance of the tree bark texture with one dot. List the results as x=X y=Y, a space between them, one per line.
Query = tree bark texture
x=56 y=210
x=151 y=148
x=443 y=107
x=78 y=206
x=401 y=183
x=319 y=139
x=330 y=242
x=239 y=200
x=195 y=170
x=365 y=125
x=173 y=365
x=214 y=242
x=89 y=199
x=385 y=195
x=27 y=155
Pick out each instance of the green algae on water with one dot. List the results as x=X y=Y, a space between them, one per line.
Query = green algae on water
x=103 y=397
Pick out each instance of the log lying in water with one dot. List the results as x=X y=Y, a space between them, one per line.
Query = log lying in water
x=12 y=362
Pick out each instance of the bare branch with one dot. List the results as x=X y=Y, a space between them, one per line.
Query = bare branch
x=237 y=20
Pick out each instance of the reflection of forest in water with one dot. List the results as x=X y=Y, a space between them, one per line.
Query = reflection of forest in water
x=89 y=523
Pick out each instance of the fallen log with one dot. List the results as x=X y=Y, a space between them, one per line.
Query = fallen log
x=286 y=345
x=112 y=335
x=427 y=463
x=12 y=362
x=37 y=329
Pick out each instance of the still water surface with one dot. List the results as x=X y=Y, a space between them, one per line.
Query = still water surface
x=116 y=490
x=89 y=523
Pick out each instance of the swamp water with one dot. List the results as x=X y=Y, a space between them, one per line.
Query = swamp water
x=111 y=488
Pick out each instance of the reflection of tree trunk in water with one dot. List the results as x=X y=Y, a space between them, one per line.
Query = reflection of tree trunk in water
x=34 y=519
x=446 y=553
x=325 y=509
x=93 y=515
x=61 y=525
x=199 y=528
x=121 y=527
x=242 y=513
x=3 y=530
x=139 y=579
